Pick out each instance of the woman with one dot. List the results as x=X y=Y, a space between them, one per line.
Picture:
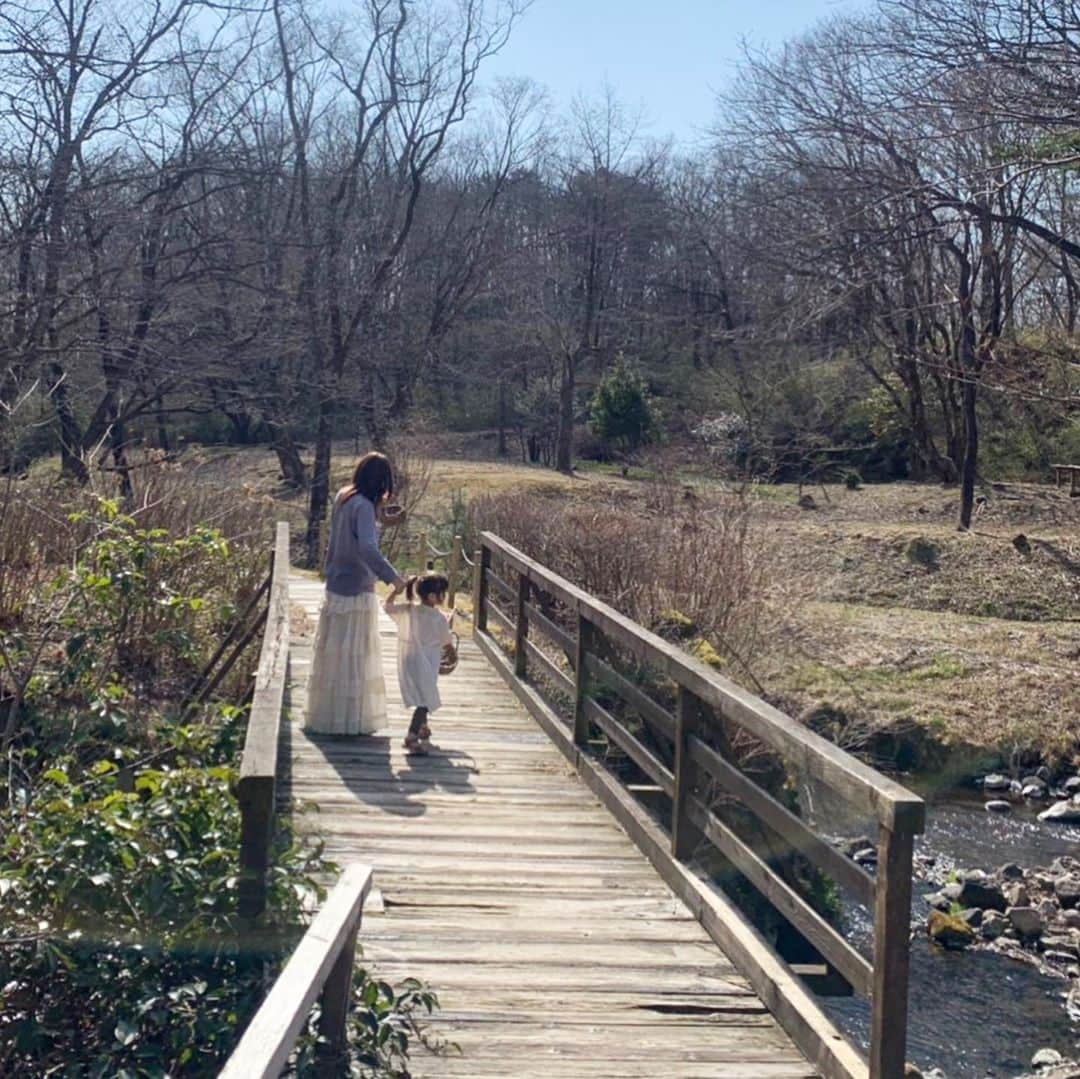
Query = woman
x=346 y=692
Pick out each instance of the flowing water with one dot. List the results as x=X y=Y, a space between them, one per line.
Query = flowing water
x=975 y=1013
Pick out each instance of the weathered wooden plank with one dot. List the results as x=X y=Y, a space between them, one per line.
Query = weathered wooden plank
x=503 y=621
x=657 y=717
x=823 y=936
x=641 y=755
x=554 y=632
x=269 y=1038
x=784 y=823
x=779 y=988
x=256 y=789
x=559 y=677
x=508 y=887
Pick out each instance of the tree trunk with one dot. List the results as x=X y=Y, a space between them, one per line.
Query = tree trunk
x=162 y=427
x=971 y=454
x=292 y=467
x=564 y=452
x=72 y=465
x=502 y=418
x=320 y=483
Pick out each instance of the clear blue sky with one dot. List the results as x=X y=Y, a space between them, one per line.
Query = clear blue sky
x=669 y=56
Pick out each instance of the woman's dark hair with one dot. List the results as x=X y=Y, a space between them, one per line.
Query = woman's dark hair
x=427 y=584
x=373 y=477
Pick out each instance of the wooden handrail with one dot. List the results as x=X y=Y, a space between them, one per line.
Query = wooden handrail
x=703 y=696
x=257 y=788
x=321 y=964
x=863 y=786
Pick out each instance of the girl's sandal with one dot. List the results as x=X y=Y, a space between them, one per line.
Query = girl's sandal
x=414 y=746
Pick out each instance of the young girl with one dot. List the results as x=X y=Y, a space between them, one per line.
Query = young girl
x=423 y=633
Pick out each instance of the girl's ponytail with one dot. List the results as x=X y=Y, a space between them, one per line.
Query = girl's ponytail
x=410 y=585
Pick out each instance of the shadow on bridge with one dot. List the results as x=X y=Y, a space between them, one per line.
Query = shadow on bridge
x=365 y=765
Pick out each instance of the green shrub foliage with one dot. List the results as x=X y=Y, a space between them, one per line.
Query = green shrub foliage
x=621 y=412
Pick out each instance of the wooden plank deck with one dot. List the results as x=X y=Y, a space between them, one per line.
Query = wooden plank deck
x=554 y=947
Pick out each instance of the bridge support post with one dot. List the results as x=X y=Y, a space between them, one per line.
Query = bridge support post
x=521 y=627
x=892 y=929
x=454 y=571
x=480 y=586
x=336 y=998
x=581 y=681
x=684 y=835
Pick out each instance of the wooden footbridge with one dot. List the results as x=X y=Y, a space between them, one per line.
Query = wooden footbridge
x=543 y=870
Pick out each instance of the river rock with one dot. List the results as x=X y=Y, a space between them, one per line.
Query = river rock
x=1061 y=813
x=866 y=856
x=1027 y=921
x=975 y=893
x=948 y=931
x=1046 y=1058
x=995 y=782
x=951 y=891
x=993 y=925
x=1071 y=918
x=1016 y=895
x=1067 y=889
x=1010 y=871
x=937 y=901
x=1033 y=781
x=1071 y=785
x=1033 y=791
x=1062 y=947
x=998 y=805
x=1063 y=864
x=973 y=916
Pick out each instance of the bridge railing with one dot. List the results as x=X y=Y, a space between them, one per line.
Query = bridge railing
x=685 y=750
x=321 y=965
x=257 y=788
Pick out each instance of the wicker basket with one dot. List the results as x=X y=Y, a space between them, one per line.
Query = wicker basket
x=450 y=656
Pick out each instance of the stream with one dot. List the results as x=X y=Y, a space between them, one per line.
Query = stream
x=974 y=1013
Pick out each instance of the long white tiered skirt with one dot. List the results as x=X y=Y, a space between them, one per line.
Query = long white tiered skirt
x=346 y=690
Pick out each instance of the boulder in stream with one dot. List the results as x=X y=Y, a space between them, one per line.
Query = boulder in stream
x=998 y=805
x=1061 y=813
x=993 y=925
x=1027 y=921
x=1067 y=890
x=948 y=931
x=1046 y=1058
x=995 y=782
x=1071 y=785
x=976 y=893
x=1010 y=871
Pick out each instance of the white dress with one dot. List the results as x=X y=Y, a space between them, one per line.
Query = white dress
x=346 y=690
x=423 y=633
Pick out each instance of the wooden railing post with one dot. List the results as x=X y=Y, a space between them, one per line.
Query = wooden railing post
x=521 y=627
x=454 y=570
x=684 y=836
x=255 y=795
x=892 y=929
x=480 y=587
x=334 y=1007
x=581 y=680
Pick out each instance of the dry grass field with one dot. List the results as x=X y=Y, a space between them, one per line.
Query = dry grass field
x=890 y=616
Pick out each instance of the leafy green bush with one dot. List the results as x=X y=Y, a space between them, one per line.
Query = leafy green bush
x=621 y=412
x=120 y=950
